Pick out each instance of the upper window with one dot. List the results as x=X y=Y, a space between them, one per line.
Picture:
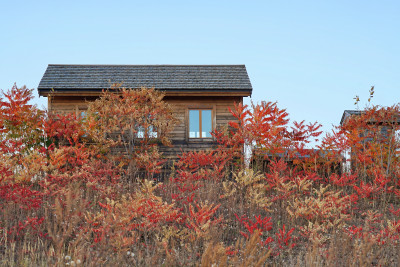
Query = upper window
x=200 y=123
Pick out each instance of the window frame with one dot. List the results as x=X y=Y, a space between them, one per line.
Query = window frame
x=213 y=122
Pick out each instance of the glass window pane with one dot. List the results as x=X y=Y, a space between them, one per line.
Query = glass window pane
x=152 y=132
x=194 y=125
x=206 y=123
x=140 y=132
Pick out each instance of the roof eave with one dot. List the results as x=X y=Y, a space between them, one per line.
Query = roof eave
x=344 y=117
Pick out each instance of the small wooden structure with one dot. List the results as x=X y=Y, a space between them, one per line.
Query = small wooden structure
x=378 y=130
x=200 y=95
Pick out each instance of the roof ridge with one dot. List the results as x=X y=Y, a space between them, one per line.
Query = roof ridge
x=153 y=65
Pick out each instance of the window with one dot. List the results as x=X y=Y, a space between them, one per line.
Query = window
x=145 y=127
x=200 y=123
x=150 y=133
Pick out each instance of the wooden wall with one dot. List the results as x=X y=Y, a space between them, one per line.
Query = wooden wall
x=180 y=104
x=64 y=104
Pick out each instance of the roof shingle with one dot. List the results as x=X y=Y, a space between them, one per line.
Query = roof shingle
x=162 y=77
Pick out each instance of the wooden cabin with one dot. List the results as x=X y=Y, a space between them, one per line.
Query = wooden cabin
x=373 y=126
x=200 y=95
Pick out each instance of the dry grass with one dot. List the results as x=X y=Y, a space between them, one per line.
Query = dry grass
x=301 y=222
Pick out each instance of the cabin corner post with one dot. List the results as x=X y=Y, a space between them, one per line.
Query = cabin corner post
x=49 y=102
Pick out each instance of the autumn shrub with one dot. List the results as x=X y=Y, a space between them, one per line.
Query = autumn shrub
x=132 y=122
x=260 y=196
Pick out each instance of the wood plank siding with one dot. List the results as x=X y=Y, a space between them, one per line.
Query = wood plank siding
x=180 y=105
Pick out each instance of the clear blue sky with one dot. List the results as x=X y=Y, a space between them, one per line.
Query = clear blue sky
x=312 y=57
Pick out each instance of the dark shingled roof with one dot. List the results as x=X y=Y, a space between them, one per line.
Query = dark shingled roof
x=162 y=77
x=348 y=113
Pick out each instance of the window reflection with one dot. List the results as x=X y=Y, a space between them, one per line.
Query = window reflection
x=194 y=125
x=206 y=123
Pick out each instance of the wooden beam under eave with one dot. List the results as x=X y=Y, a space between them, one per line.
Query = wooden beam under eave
x=209 y=93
